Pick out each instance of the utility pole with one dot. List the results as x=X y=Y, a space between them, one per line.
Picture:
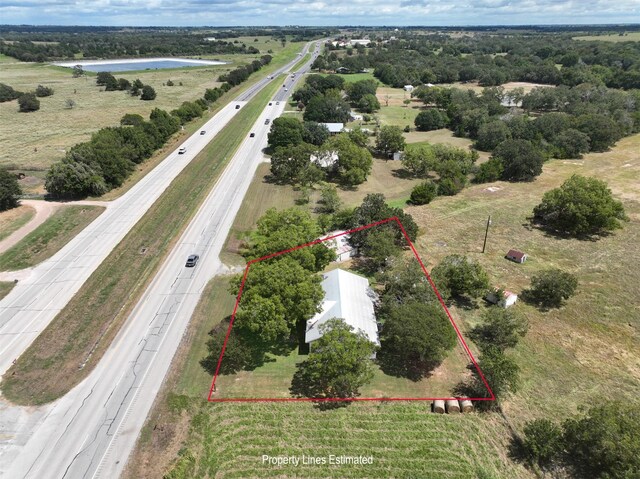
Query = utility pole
x=486 y=233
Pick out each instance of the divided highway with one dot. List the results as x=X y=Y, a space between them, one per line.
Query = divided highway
x=91 y=431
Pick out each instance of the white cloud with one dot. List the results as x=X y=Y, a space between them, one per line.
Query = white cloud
x=318 y=12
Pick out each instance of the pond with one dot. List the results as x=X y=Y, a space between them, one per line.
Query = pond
x=138 y=64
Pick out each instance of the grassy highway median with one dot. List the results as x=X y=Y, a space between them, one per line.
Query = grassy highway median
x=73 y=343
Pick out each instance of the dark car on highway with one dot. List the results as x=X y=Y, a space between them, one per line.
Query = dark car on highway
x=192 y=260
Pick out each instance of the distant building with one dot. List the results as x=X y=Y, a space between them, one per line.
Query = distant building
x=349 y=297
x=359 y=41
x=356 y=117
x=508 y=298
x=398 y=155
x=517 y=256
x=342 y=70
x=210 y=39
x=334 y=128
x=408 y=88
x=340 y=245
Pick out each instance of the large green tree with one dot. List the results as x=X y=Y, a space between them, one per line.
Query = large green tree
x=499 y=328
x=337 y=366
x=581 y=206
x=9 y=190
x=551 y=288
x=415 y=337
x=374 y=209
x=328 y=108
x=390 y=140
x=277 y=296
x=521 y=160
x=72 y=179
x=285 y=229
x=605 y=444
x=502 y=374
x=288 y=163
x=431 y=119
x=354 y=162
x=285 y=131
x=457 y=276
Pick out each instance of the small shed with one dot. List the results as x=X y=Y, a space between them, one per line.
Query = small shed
x=508 y=298
x=516 y=256
x=408 y=88
x=340 y=245
x=398 y=155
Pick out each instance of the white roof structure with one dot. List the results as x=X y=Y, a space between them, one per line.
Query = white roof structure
x=324 y=159
x=340 y=244
x=334 y=127
x=346 y=296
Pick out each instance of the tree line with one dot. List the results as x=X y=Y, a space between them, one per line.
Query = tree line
x=492 y=59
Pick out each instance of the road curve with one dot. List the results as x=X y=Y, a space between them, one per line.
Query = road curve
x=91 y=431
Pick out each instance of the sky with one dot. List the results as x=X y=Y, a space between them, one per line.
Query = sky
x=317 y=12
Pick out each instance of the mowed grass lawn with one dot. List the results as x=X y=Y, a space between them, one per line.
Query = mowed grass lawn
x=405 y=440
x=48 y=238
x=587 y=351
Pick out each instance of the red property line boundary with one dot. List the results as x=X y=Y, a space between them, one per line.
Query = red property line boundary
x=321 y=240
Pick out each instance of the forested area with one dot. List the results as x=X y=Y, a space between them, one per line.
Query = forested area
x=61 y=43
x=551 y=58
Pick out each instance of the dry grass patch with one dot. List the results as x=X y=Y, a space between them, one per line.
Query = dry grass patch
x=15 y=218
x=589 y=349
x=49 y=238
x=6 y=287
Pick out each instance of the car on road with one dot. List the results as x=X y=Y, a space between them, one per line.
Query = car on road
x=270 y=103
x=277 y=103
x=192 y=260
x=237 y=107
x=286 y=89
x=182 y=151
x=251 y=135
x=284 y=85
x=266 y=122
x=202 y=132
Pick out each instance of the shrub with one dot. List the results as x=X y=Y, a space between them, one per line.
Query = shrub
x=424 y=193
x=28 y=102
x=551 y=288
x=42 y=91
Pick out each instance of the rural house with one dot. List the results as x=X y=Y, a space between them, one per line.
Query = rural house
x=349 y=297
x=516 y=256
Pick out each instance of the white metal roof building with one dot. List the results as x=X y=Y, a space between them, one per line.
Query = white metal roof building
x=346 y=296
x=334 y=127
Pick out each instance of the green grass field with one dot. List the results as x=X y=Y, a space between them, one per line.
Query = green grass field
x=13 y=219
x=48 y=238
x=51 y=361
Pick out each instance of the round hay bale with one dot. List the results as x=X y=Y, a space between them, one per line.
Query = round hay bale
x=438 y=406
x=453 y=406
x=466 y=405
